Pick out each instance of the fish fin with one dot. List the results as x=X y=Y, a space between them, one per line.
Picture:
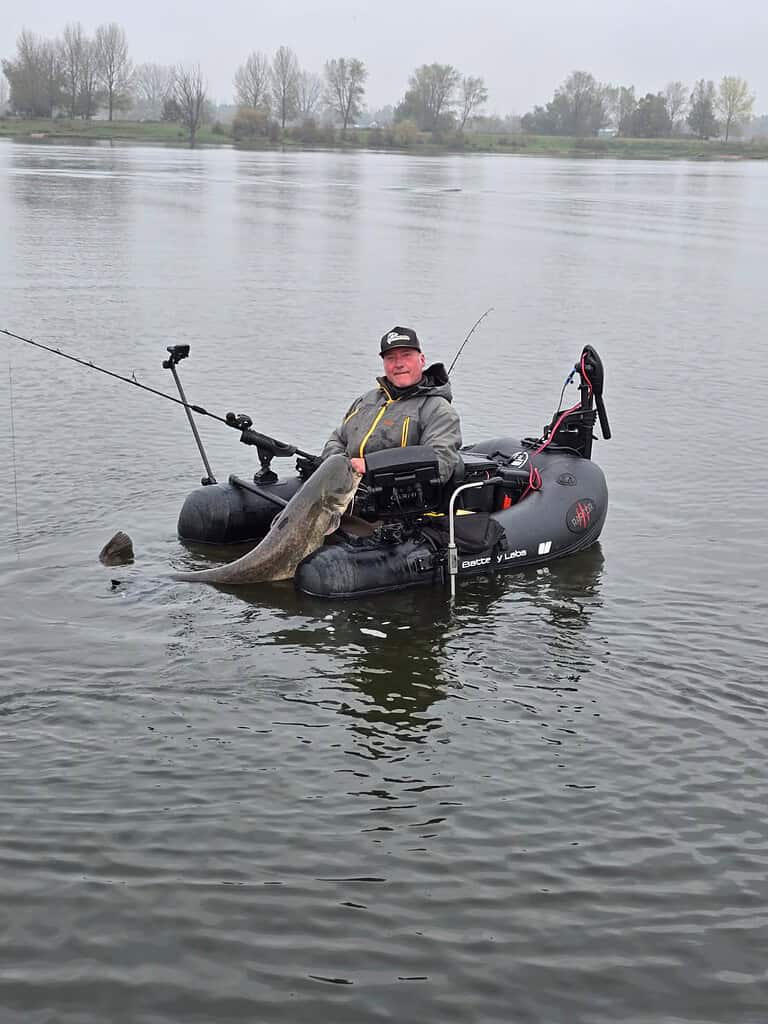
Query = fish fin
x=333 y=525
x=278 y=521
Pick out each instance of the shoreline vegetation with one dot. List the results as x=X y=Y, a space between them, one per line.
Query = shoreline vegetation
x=433 y=143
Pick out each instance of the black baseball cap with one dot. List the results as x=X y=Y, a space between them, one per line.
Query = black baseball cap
x=399 y=337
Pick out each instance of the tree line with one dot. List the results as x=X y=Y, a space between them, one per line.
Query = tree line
x=582 y=106
x=78 y=75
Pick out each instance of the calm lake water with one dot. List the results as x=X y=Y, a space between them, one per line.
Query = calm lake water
x=547 y=804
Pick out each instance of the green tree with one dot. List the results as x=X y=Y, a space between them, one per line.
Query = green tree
x=402 y=134
x=345 y=87
x=250 y=123
x=701 y=117
x=430 y=97
x=577 y=108
x=35 y=78
x=650 y=118
x=540 y=121
x=734 y=101
x=580 y=104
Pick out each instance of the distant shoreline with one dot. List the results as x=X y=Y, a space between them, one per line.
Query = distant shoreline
x=173 y=135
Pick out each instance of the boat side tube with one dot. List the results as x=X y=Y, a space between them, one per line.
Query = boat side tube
x=233 y=513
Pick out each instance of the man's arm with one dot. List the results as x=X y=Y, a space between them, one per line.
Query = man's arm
x=337 y=442
x=441 y=430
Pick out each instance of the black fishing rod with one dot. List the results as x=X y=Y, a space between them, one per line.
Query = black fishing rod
x=267 y=447
x=471 y=332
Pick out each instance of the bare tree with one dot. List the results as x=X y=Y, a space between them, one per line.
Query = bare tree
x=89 y=96
x=153 y=84
x=620 y=104
x=309 y=90
x=51 y=75
x=190 y=93
x=114 y=67
x=4 y=91
x=734 y=101
x=71 y=48
x=473 y=95
x=676 y=99
x=284 y=75
x=252 y=82
x=345 y=87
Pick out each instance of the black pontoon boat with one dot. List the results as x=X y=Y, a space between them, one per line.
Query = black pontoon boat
x=511 y=503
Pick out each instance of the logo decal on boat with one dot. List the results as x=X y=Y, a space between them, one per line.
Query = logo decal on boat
x=506 y=555
x=544 y=547
x=580 y=515
x=519 y=459
x=475 y=562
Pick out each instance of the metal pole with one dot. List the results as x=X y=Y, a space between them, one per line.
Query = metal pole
x=210 y=478
x=453 y=554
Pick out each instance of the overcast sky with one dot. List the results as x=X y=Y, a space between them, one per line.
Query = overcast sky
x=522 y=51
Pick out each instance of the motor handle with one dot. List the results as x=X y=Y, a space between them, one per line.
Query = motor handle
x=605 y=426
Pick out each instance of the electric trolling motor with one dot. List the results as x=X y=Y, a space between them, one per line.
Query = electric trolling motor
x=574 y=430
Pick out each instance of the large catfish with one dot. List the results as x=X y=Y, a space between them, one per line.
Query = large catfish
x=302 y=526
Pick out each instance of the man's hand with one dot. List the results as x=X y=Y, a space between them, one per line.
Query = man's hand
x=358 y=465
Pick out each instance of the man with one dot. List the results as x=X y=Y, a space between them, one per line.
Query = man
x=411 y=405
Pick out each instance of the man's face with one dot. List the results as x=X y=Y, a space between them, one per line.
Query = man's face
x=403 y=366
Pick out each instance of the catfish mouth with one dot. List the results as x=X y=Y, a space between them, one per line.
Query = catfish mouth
x=341 y=500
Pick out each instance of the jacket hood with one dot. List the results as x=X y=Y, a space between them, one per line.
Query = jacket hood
x=434 y=381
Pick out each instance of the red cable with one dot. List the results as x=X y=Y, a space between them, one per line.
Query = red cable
x=534 y=482
x=567 y=411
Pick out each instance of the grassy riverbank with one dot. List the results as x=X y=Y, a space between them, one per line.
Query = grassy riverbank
x=162 y=133
x=123 y=131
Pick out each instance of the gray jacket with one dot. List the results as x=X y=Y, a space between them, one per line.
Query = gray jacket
x=390 y=417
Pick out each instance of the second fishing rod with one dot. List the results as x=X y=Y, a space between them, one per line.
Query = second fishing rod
x=267 y=447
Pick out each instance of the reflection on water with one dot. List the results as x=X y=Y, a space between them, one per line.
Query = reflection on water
x=398 y=658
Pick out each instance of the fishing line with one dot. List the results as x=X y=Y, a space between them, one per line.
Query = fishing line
x=110 y=373
x=13 y=460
